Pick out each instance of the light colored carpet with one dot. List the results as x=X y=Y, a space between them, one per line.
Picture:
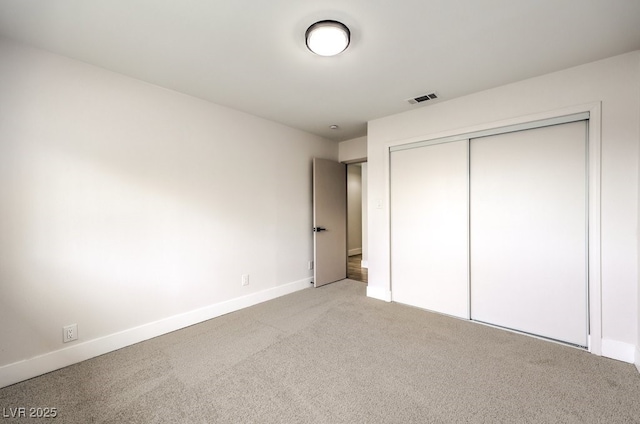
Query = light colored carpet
x=332 y=355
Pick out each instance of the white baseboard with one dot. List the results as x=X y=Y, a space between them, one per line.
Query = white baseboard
x=378 y=293
x=638 y=358
x=364 y=264
x=618 y=350
x=33 y=367
x=353 y=252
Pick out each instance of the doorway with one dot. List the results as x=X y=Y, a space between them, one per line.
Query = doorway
x=357 y=222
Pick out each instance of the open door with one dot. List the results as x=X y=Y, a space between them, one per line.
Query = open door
x=329 y=221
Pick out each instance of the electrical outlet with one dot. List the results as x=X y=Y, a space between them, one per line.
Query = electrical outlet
x=70 y=333
x=310 y=264
x=245 y=279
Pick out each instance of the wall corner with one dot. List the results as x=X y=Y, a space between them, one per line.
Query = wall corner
x=353 y=151
x=379 y=293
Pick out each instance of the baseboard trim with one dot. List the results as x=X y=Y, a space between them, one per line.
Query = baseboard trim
x=353 y=252
x=618 y=350
x=638 y=358
x=364 y=264
x=33 y=367
x=378 y=293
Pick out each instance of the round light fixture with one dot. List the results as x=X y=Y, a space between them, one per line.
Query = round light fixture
x=327 y=38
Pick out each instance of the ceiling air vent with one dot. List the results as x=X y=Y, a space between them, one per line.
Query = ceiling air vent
x=423 y=98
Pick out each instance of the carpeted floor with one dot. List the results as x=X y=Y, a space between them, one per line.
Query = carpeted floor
x=332 y=355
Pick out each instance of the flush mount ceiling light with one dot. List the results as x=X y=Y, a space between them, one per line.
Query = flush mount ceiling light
x=328 y=38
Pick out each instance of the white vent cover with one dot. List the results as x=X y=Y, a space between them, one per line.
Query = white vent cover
x=423 y=98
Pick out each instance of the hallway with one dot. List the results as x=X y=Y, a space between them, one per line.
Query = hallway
x=355 y=270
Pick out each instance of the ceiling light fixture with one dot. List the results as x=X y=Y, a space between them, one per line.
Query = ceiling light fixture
x=328 y=38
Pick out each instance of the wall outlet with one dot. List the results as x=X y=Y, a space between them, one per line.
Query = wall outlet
x=310 y=264
x=245 y=279
x=69 y=333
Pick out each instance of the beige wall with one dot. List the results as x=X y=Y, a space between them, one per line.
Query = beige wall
x=614 y=82
x=126 y=205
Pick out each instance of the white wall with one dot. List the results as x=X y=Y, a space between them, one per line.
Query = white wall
x=354 y=209
x=133 y=210
x=613 y=82
x=354 y=150
x=638 y=233
x=365 y=219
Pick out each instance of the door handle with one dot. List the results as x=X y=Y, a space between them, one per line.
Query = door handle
x=319 y=229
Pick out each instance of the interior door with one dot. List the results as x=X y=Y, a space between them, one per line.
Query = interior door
x=529 y=231
x=429 y=227
x=329 y=221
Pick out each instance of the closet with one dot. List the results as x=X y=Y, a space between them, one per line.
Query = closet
x=492 y=227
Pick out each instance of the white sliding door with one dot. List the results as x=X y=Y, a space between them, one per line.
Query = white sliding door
x=429 y=221
x=528 y=242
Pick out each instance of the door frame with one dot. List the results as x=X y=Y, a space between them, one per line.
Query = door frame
x=363 y=212
x=594 y=155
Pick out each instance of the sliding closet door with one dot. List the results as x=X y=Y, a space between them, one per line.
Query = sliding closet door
x=528 y=231
x=429 y=219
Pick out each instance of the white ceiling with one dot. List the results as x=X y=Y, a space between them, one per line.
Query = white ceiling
x=250 y=54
